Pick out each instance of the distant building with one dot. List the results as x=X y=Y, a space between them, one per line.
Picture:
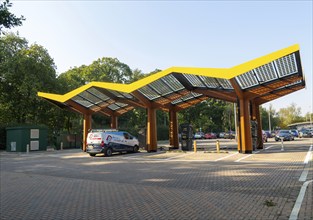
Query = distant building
x=301 y=125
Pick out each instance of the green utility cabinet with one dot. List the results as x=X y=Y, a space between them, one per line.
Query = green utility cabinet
x=19 y=137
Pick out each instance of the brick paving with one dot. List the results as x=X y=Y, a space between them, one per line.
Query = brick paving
x=72 y=185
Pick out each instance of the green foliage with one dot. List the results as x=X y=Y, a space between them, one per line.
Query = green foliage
x=282 y=118
x=25 y=70
x=289 y=115
x=133 y=120
x=7 y=19
x=106 y=69
x=209 y=115
x=274 y=120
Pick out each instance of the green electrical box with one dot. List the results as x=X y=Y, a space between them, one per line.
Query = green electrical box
x=19 y=137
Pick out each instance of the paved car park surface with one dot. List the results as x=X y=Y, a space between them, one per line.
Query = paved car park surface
x=70 y=184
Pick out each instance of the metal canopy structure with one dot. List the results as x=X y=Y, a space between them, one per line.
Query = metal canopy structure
x=250 y=85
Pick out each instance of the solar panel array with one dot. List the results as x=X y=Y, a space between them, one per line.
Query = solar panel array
x=181 y=89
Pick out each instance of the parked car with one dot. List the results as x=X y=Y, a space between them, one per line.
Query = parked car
x=306 y=133
x=286 y=135
x=111 y=141
x=294 y=132
x=229 y=135
x=199 y=135
x=268 y=134
x=221 y=135
x=210 y=136
x=264 y=136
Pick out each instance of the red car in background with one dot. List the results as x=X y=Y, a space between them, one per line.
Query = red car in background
x=210 y=136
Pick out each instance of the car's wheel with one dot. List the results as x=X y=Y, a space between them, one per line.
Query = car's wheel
x=108 y=152
x=92 y=155
x=135 y=149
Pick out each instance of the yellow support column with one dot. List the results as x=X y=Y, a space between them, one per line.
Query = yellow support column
x=151 y=130
x=86 y=128
x=114 y=121
x=173 y=130
x=245 y=145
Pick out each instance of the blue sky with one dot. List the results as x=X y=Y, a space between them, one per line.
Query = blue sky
x=160 y=34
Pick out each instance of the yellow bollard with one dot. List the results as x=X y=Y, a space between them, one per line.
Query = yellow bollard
x=217 y=146
x=195 y=146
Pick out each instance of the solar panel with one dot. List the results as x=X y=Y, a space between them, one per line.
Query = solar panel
x=97 y=93
x=247 y=80
x=210 y=82
x=149 y=93
x=171 y=81
x=187 y=97
x=114 y=107
x=266 y=72
x=225 y=83
x=286 y=65
x=90 y=97
x=82 y=101
x=117 y=94
x=194 y=80
x=127 y=95
x=161 y=87
x=121 y=104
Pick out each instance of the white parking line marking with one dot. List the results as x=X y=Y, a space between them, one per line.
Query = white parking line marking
x=308 y=156
x=305 y=171
x=297 y=206
x=222 y=158
x=247 y=156
x=304 y=174
x=184 y=155
x=270 y=147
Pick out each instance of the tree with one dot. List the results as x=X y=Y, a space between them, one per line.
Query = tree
x=7 y=19
x=105 y=69
x=209 y=115
x=265 y=114
x=24 y=70
x=289 y=115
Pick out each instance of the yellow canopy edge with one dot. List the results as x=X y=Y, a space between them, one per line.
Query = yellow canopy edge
x=224 y=73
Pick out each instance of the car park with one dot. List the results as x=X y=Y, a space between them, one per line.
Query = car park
x=110 y=141
x=229 y=135
x=306 y=133
x=199 y=135
x=221 y=135
x=284 y=135
x=210 y=136
x=294 y=132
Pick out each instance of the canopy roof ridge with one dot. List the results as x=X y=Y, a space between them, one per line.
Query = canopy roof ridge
x=260 y=61
x=222 y=73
